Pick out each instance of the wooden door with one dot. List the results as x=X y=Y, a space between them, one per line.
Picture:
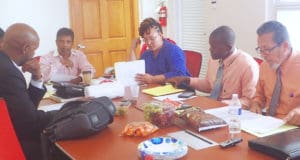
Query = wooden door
x=105 y=29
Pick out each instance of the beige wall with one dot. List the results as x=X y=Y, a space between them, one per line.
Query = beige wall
x=243 y=16
x=45 y=16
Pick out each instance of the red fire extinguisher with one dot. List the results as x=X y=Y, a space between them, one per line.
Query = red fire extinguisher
x=163 y=16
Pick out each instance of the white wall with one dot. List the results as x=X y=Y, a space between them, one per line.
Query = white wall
x=243 y=16
x=45 y=16
x=147 y=9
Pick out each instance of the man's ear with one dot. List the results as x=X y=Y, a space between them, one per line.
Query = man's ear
x=229 y=47
x=285 y=45
x=25 y=48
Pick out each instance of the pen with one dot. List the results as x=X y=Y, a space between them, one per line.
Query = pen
x=184 y=107
x=196 y=136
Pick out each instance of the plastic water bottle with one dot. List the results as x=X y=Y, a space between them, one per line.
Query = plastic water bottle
x=235 y=111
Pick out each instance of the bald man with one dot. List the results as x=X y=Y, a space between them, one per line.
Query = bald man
x=20 y=43
x=240 y=71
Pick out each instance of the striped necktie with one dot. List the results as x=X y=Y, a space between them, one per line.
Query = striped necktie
x=276 y=93
x=215 y=93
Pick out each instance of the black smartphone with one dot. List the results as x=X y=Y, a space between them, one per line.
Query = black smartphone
x=187 y=94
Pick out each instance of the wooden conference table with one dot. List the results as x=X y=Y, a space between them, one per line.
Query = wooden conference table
x=109 y=145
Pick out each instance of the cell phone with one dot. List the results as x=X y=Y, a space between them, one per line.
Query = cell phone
x=230 y=142
x=186 y=94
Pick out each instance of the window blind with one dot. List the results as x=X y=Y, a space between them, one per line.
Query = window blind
x=194 y=29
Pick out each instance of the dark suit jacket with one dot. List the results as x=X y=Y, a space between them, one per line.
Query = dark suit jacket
x=22 y=104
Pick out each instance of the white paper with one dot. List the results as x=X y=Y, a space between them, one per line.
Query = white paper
x=249 y=120
x=62 y=77
x=51 y=107
x=126 y=71
x=196 y=142
x=62 y=100
x=108 y=89
x=262 y=124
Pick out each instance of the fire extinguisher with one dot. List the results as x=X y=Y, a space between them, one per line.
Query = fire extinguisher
x=163 y=16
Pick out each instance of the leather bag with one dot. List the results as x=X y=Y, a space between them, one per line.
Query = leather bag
x=78 y=119
x=283 y=146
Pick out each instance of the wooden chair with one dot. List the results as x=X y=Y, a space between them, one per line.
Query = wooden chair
x=10 y=147
x=193 y=62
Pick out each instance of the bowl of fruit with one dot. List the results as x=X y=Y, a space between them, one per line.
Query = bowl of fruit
x=159 y=113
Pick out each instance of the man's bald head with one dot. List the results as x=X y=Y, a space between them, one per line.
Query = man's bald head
x=224 y=34
x=222 y=42
x=20 y=42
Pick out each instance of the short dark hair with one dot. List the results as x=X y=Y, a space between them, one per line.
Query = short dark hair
x=65 y=32
x=224 y=34
x=147 y=24
x=1 y=33
x=280 y=33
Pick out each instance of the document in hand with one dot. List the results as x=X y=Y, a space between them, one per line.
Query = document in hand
x=162 y=90
x=126 y=71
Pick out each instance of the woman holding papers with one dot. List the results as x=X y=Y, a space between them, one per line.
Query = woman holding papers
x=163 y=59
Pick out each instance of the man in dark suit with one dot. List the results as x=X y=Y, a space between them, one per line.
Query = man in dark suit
x=20 y=43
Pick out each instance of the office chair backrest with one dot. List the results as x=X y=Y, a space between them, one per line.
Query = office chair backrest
x=10 y=147
x=193 y=62
x=258 y=60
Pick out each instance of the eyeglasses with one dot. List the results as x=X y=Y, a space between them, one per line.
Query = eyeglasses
x=266 y=51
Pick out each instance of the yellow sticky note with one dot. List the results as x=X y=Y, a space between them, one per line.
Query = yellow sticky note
x=162 y=90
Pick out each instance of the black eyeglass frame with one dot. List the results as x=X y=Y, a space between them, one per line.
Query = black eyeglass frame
x=266 y=51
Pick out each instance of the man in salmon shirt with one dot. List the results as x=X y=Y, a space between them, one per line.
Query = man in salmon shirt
x=239 y=75
x=278 y=88
x=65 y=61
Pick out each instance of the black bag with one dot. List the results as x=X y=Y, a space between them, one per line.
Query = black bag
x=78 y=119
x=282 y=146
x=68 y=90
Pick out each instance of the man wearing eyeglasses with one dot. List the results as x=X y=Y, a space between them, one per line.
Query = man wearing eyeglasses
x=163 y=59
x=278 y=88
